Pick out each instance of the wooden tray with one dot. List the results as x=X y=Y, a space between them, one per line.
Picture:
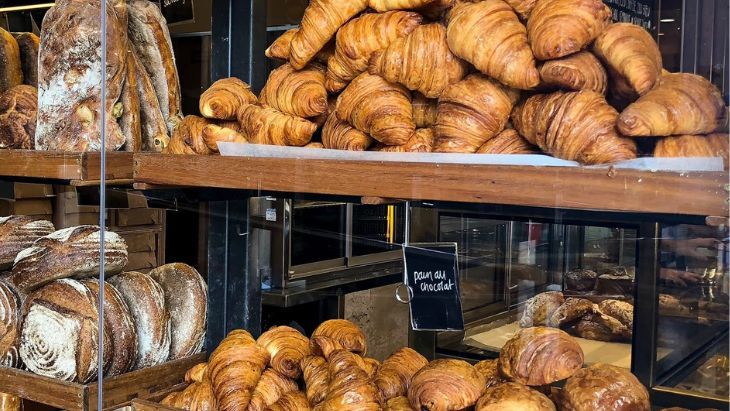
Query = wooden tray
x=118 y=391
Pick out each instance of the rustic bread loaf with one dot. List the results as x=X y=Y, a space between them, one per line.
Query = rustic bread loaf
x=130 y=119
x=10 y=323
x=69 y=77
x=186 y=299
x=18 y=114
x=18 y=233
x=71 y=252
x=155 y=136
x=146 y=301
x=11 y=74
x=28 y=43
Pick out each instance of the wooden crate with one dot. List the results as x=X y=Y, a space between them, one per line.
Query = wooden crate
x=144 y=405
x=119 y=391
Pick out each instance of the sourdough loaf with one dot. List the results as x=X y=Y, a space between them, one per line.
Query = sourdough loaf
x=146 y=301
x=69 y=77
x=71 y=252
x=18 y=233
x=18 y=114
x=130 y=121
x=154 y=129
x=10 y=323
x=186 y=299
x=28 y=43
x=11 y=74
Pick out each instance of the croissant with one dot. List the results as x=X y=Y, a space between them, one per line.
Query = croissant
x=281 y=47
x=291 y=401
x=425 y=110
x=446 y=384
x=350 y=387
x=681 y=103
x=188 y=137
x=490 y=370
x=436 y=9
x=197 y=373
x=225 y=98
x=470 y=113
x=631 y=52
x=522 y=7
x=316 y=378
x=314 y=144
x=287 y=347
x=398 y=404
x=339 y=135
x=378 y=108
x=320 y=22
x=235 y=368
x=603 y=387
x=362 y=36
x=577 y=125
x=299 y=93
x=711 y=145
x=396 y=372
x=385 y=5
x=420 y=142
x=198 y=396
x=557 y=28
x=540 y=356
x=489 y=35
x=508 y=142
x=214 y=134
x=579 y=71
x=513 y=397
x=266 y=125
x=269 y=389
x=420 y=61
x=371 y=366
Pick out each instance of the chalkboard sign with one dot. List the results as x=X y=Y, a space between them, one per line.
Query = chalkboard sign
x=432 y=279
x=639 y=12
x=177 y=11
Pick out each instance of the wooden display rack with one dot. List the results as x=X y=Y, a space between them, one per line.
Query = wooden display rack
x=77 y=168
x=118 y=391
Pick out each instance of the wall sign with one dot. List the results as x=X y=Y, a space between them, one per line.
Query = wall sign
x=177 y=11
x=432 y=279
x=640 y=12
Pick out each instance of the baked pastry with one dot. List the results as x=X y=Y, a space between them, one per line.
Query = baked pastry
x=385 y=5
x=28 y=44
x=600 y=327
x=425 y=110
x=315 y=371
x=446 y=384
x=395 y=374
x=281 y=47
x=340 y=135
x=186 y=300
x=710 y=145
x=360 y=38
x=603 y=387
x=490 y=370
x=579 y=71
x=513 y=397
x=10 y=326
x=618 y=285
x=580 y=280
x=11 y=73
x=18 y=113
x=470 y=113
x=620 y=310
x=540 y=308
x=215 y=133
x=266 y=125
x=630 y=52
x=225 y=98
x=129 y=121
x=270 y=387
x=398 y=404
x=9 y=402
x=345 y=333
x=540 y=356
x=671 y=305
x=371 y=366
x=320 y=22
x=287 y=348
x=571 y=310
x=680 y=103
x=557 y=28
x=146 y=301
x=197 y=373
x=421 y=61
x=522 y=7
x=489 y=35
x=69 y=87
x=150 y=37
x=298 y=93
x=378 y=108
x=350 y=386
x=18 y=233
x=155 y=136
x=291 y=401
x=60 y=332
x=421 y=142
x=509 y=141
x=71 y=252
x=197 y=396
x=118 y=322
x=578 y=126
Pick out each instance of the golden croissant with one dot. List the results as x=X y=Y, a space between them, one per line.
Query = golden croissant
x=578 y=126
x=378 y=108
x=214 y=134
x=396 y=372
x=681 y=103
x=522 y=7
x=337 y=134
x=385 y=5
x=513 y=397
x=470 y=113
x=711 y=145
x=631 y=52
x=281 y=47
x=489 y=35
x=291 y=401
x=235 y=368
x=579 y=71
x=490 y=370
x=420 y=142
x=197 y=373
x=362 y=36
x=398 y=404
x=188 y=137
x=266 y=125
x=436 y=9
x=271 y=386
x=345 y=332
x=225 y=98
x=557 y=28
x=299 y=93
x=425 y=110
x=287 y=347
x=320 y=22
x=446 y=384
x=420 y=61
x=540 y=356
x=316 y=375
x=350 y=387
x=508 y=141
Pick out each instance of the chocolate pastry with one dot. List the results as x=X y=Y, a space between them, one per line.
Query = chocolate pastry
x=580 y=280
x=603 y=387
x=513 y=397
x=490 y=370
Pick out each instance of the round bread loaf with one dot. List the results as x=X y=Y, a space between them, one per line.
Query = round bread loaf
x=118 y=322
x=573 y=309
x=186 y=299
x=580 y=280
x=540 y=308
x=60 y=332
x=513 y=397
x=10 y=322
x=603 y=387
x=146 y=301
x=18 y=233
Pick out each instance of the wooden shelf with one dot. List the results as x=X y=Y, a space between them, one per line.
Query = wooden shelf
x=76 y=168
x=686 y=193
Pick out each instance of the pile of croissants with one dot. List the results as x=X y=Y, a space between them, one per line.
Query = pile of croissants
x=489 y=76
x=284 y=370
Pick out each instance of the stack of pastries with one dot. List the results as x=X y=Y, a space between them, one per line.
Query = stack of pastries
x=489 y=76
